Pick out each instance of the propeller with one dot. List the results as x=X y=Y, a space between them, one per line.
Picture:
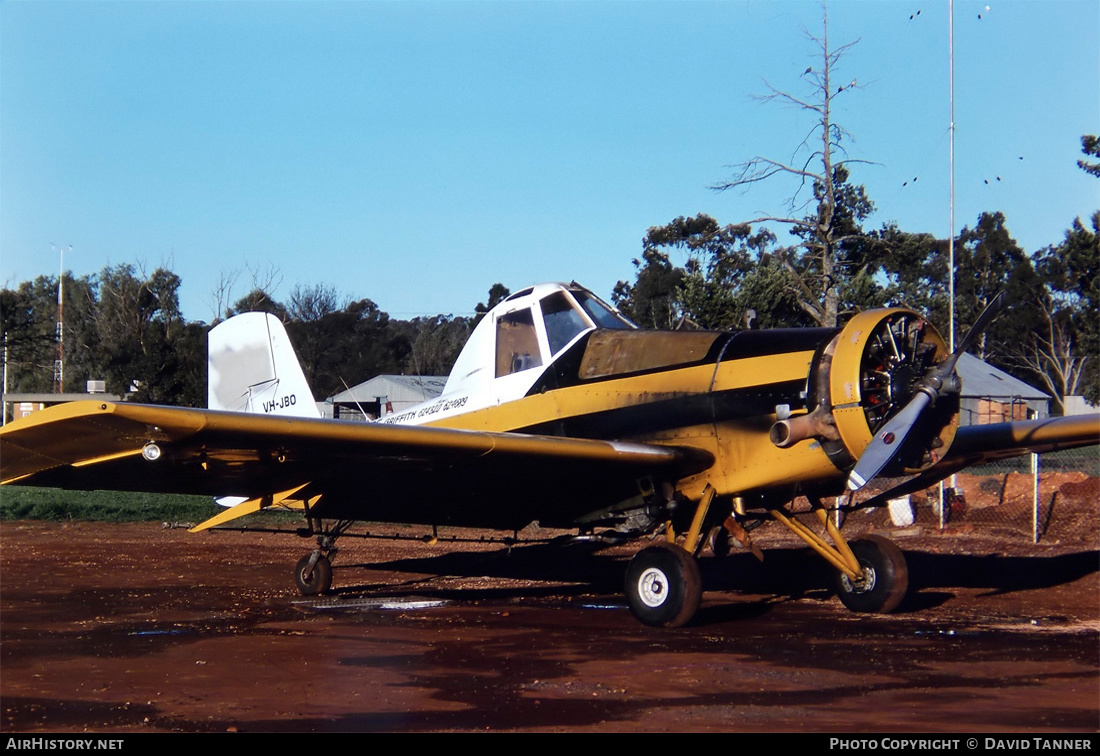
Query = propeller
x=939 y=381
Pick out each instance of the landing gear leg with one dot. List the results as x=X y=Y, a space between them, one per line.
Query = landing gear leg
x=313 y=573
x=872 y=575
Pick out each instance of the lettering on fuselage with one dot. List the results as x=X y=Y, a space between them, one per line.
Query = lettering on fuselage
x=280 y=403
x=444 y=405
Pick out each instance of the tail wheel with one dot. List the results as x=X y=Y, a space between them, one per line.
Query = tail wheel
x=884 y=581
x=312 y=581
x=663 y=586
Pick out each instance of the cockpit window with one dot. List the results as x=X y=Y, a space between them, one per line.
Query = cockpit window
x=599 y=312
x=563 y=321
x=517 y=343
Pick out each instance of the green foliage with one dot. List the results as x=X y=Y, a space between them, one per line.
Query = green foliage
x=343 y=347
x=434 y=343
x=258 y=300
x=718 y=257
x=498 y=292
x=835 y=264
x=1090 y=146
x=912 y=269
x=28 y=503
x=653 y=300
x=30 y=334
x=988 y=260
x=144 y=345
x=120 y=326
x=1064 y=347
x=769 y=294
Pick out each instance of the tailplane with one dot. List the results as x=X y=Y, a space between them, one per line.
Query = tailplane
x=253 y=368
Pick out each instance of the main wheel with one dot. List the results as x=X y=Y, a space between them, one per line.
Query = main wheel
x=663 y=586
x=884 y=581
x=312 y=582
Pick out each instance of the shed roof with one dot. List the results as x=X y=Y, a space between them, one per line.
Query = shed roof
x=980 y=379
x=395 y=388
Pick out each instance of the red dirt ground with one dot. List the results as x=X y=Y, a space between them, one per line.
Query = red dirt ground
x=141 y=628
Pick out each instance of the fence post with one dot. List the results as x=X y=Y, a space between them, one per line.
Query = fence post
x=943 y=504
x=1035 y=498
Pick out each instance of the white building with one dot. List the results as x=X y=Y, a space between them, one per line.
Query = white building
x=383 y=395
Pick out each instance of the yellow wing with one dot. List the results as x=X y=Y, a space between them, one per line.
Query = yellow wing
x=976 y=444
x=360 y=470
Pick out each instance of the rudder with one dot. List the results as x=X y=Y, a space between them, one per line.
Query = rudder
x=252 y=367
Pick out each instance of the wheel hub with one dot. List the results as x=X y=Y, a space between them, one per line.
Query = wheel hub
x=653 y=587
x=865 y=583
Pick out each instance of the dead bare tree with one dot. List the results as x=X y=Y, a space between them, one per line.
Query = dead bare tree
x=1052 y=354
x=818 y=163
x=221 y=297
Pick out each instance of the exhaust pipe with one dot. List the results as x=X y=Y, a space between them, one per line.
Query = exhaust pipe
x=818 y=424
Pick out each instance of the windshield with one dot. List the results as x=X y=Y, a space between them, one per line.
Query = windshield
x=563 y=321
x=604 y=316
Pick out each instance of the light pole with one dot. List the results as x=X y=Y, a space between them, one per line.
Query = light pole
x=59 y=362
x=4 y=406
x=951 y=179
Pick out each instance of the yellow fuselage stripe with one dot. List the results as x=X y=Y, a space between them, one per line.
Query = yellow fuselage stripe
x=747 y=460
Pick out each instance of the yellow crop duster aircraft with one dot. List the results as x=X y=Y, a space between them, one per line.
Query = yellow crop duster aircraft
x=561 y=411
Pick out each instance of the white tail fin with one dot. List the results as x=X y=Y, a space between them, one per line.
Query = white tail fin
x=253 y=368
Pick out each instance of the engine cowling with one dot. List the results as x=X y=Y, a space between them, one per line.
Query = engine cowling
x=878 y=360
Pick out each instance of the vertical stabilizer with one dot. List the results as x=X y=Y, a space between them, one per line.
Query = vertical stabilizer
x=253 y=368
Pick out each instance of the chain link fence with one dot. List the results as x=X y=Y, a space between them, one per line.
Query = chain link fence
x=1018 y=497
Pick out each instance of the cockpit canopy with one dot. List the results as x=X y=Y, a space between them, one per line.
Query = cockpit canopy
x=529 y=330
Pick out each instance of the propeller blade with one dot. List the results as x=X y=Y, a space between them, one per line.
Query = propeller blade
x=938 y=381
x=885 y=444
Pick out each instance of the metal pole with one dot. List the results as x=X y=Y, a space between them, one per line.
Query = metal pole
x=943 y=506
x=59 y=363
x=1034 y=497
x=951 y=191
x=951 y=178
x=4 y=407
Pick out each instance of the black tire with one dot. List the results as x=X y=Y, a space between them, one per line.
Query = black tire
x=885 y=577
x=316 y=581
x=663 y=586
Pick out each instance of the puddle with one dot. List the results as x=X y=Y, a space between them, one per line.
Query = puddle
x=373 y=603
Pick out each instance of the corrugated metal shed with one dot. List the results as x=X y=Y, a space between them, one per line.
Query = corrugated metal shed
x=395 y=392
x=991 y=395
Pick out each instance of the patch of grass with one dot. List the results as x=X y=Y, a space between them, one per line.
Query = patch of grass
x=31 y=503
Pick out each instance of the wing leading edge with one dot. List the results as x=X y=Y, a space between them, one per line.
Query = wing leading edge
x=977 y=444
x=358 y=468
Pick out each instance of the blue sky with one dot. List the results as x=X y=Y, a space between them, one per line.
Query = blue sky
x=414 y=153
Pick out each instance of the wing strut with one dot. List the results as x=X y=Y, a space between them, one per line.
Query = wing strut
x=254 y=505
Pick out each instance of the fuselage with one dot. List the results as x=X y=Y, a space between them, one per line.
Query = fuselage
x=554 y=360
